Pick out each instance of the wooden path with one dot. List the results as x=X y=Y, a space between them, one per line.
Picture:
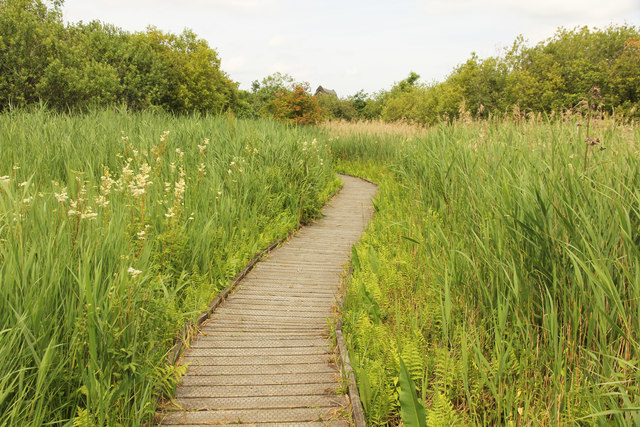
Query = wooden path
x=263 y=357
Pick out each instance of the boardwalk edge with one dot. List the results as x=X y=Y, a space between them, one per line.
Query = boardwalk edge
x=185 y=335
x=354 y=395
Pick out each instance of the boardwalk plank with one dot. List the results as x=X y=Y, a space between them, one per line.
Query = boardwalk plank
x=263 y=358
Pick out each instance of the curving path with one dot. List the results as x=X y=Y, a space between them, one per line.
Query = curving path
x=264 y=357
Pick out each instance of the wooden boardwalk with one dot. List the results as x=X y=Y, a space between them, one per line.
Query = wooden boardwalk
x=263 y=357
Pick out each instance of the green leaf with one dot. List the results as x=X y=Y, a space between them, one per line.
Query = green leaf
x=411 y=409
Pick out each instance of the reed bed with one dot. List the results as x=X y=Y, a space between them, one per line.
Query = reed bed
x=116 y=229
x=375 y=128
x=503 y=269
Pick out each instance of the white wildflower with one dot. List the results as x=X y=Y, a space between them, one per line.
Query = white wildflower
x=170 y=213
x=179 y=189
x=23 y=184
x=101 y=201
x=4 y=179
x=89 y=215
x=127 y=172
x=62 y=196
x=107 y=182
x=164 y=136
x=139 y=185
x=133 y=272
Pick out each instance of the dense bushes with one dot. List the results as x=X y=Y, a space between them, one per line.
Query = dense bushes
x=554 y=75
x=296 y=105
x=77 y=66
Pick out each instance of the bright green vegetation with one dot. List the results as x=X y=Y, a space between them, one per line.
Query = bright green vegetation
x=502 y=273
x=116 y=229
x=551 y=76
x=78 y=66
x=83 y=65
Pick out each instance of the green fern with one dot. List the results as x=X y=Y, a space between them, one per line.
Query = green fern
x=413 y=359
x=83 y=418
x=442 y=413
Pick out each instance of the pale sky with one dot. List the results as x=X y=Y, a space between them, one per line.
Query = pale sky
x=348 y=45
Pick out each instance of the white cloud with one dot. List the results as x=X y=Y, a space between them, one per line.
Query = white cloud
x=277 y=40
x=236 y=63
x=548 y=9
x=576 y=9
x=243 y=7
x=278 y=67
x=352 y=71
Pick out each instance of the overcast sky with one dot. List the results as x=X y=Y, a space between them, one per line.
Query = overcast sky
x=348 y=45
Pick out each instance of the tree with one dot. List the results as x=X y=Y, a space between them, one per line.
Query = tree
x=28 y=34
x=296 y=105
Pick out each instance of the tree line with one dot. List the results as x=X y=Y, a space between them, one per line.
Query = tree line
x=554 y=75
x=77 y=66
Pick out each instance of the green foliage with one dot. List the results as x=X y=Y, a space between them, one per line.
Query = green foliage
x=114 y=233
x=79 y=66
x=338 y=109
x=411 y=408
x=552 y=76
x=29 y=33
x=264 y=92
x=501 y=271
x=296 y=105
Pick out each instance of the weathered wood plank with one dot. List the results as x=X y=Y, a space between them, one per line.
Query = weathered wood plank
x=264 y=379
x=250 y=360
x=328 y=388
x=201 y=350
x=263 y=357
x=279 y=369
x=254 y=415
x=262 y=402
x=224 y=342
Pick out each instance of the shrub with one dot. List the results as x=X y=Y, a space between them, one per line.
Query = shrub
x=296 y=105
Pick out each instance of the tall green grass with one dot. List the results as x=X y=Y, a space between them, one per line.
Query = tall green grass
x=115 y=233
x=501 y=271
